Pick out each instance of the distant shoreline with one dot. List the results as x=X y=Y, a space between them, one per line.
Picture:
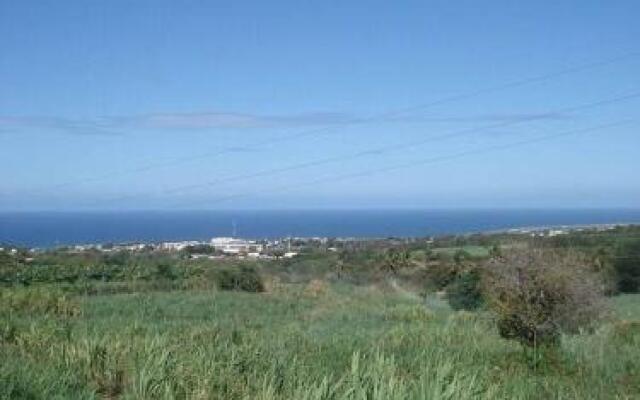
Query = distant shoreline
x=570 y=227
x=44 y=230
x=559 y=230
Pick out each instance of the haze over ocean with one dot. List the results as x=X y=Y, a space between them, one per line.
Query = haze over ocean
x=46 y=229
x=165 y=105
x=111 y=108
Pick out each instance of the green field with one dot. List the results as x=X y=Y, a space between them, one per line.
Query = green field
x=300 y=342
x=371 y=320
x=474 y=251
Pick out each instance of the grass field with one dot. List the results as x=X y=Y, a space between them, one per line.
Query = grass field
x=300 y=342
x=474 y=251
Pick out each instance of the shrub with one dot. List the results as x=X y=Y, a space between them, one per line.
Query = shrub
x=40 y=301
x=242 y=278
x=538 y=294
x=439 y=275
x=464 y=293
x=461 y=256
x=602 y=263
x=165 y=272
x=394 y=259
x=627 y=266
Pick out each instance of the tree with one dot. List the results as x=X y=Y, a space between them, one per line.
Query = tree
x=278 y=253
x=537 y=295
x=199 y=249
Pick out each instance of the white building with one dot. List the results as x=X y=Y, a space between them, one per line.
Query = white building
x=178 y=245
x=235 y=246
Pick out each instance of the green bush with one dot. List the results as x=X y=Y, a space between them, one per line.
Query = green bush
x=393 y=260
x=165 y=272
x=241 y=278
x=464 y=293
x=627 y=266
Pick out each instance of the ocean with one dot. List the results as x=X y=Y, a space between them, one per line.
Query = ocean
x=47 y=229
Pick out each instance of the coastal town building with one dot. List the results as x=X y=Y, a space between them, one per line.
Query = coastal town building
x=229 y=245
x=178 y=245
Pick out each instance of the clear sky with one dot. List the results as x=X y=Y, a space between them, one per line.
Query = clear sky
x=318 y=104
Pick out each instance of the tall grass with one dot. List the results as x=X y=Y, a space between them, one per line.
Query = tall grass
x=344 y=343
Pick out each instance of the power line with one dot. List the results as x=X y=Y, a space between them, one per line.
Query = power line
x=431 y=160
x=382 y=150
x=372 y=118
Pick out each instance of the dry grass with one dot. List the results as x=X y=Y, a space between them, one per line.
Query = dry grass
x=316 y=288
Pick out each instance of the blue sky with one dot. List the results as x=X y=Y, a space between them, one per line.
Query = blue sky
x=288 y=104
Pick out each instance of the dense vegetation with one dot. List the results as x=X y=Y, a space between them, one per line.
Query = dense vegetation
x=372 y=320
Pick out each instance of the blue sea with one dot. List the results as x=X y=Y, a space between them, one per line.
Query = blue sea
x=47 y=229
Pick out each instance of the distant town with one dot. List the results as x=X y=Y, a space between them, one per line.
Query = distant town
x=216 y=248
x=288 y=247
